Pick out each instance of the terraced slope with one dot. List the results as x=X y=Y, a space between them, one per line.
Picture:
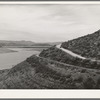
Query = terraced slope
x=57 y=54
x=41 y=73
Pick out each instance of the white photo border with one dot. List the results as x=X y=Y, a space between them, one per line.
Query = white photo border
x=34 y=93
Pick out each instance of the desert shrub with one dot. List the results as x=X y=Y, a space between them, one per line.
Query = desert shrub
x=89 y=83
x=68 y=75
x=76 y=61
x=87 y=46
x=70 y=84
x=62 y=80
x=85 y=62
x=33 y=59
x=98 y=83
x=93 y=64
x=98 y=66
x=78 y=79
x=98 y=72
x=83 y=71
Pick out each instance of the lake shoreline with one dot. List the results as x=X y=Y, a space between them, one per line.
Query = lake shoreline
x=13 y=56
x=6 y=50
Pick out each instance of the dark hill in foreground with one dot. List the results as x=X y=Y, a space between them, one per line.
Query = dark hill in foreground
x=87 y=46
x=41 y=73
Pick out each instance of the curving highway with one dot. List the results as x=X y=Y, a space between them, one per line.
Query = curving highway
x=69 y=52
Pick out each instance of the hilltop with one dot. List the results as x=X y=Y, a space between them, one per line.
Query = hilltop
x=86 y=46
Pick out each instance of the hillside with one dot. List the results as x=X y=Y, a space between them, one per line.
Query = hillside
x=56 y=54
x=40 y=73
x=87 y=46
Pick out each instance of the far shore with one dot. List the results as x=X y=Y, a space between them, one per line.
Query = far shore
x=6 y=50
x=26 y=46
x=10 y=49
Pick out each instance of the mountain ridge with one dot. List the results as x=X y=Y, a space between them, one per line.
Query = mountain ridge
x=86 y=46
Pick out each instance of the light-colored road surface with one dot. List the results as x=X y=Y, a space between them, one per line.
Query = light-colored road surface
x=69 y=52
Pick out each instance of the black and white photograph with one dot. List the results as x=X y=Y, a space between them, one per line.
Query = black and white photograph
x=49 y=46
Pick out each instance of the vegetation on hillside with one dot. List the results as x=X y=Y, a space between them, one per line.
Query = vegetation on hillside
x=41 y=73
x=87 y=46
x=61 y=56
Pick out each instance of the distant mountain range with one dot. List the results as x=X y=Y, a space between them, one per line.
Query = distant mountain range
x=15 y=43
x=24 y=43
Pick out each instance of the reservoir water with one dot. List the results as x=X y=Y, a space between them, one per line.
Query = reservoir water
x=8 y=60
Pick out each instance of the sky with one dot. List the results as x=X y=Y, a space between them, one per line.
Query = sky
x=48 y=22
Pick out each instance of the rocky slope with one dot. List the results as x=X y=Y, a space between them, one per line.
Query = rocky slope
x=56 y=54
x=41 y=73
x=87 y=46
